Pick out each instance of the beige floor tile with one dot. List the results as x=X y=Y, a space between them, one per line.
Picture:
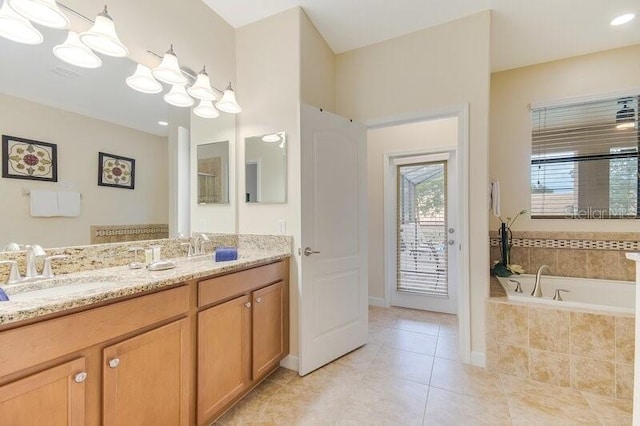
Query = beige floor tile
x=448 y=329
x=301 y=407
x=394 y=399
x=377 y=334
x=282 y=376
x=350 y=416
x=424 y=327
x=360 y=358
x=406 y=365
x=611 y=411
x=524 y=417
x=410 y=341
x=246 y=411
x=466 y=379
x=547 y=400
x=448 y=408
x=447 y=347
x=382 y=317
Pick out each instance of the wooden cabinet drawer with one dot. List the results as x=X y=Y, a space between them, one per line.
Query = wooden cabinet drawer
x=225 y=287
x=61 y=336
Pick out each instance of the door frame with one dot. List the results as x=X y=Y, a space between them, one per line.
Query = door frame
x=461 y=112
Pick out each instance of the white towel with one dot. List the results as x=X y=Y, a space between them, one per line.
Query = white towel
x=43 y=203
x=69 y=204
x=495 y=198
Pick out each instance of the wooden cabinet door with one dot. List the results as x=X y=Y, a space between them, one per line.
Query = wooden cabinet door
x=224 y=355
x=146 y=378
x=268 y=328
x=55 y=397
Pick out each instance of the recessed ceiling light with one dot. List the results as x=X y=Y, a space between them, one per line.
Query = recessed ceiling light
x=622 y=19
x=163 y=123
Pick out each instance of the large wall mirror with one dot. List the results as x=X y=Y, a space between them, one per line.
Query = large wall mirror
x=584 y=161
x=213 y=173
x=266 y=168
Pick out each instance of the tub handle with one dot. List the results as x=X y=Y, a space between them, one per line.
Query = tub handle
x=518 y=286
x=557 y=296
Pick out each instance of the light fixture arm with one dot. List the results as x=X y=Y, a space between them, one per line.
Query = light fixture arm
x=78 y=14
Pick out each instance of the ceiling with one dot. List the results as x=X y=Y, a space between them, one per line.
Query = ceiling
x=524 y=32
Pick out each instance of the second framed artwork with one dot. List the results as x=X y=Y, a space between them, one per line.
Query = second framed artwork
x=116 y=171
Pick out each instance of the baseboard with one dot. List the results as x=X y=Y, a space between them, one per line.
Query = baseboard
x=478 y=359
x=377 y=301
x=290 y=362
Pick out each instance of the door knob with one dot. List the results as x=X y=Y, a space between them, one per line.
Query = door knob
x=113 y=363
x=309 y=252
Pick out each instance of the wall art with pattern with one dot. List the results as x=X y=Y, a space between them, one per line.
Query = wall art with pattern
x=29 y=159
x=116 y=171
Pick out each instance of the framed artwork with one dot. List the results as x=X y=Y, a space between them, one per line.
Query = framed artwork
x=28 y=159
x=116 y=171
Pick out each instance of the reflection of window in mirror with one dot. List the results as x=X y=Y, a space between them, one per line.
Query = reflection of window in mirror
x=266 y=168
x=584 y=161
x=213 y=173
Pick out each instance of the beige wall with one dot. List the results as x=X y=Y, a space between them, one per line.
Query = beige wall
x=318 y=67
x=510 y=147
x=428 y=70
x=268 y=64
x=79 y=139
x=409 y=138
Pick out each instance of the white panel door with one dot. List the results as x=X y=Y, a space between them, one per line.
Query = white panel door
x=333 y=290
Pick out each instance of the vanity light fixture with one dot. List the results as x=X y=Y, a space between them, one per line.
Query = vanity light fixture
x=142 y=81
x=625 y=117
x=169 y=70
x=201 y=89
x=622 y=19
x=205 y=109
x=43 y=12
x=16 y=27
x=228 y=102
x=74 y=52
x=102 y=37
x=272 y=138
x=178 y=96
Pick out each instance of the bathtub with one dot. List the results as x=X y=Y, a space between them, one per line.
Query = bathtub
x=595 y=295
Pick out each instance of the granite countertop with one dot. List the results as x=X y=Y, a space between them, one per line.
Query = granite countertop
x=121 y=281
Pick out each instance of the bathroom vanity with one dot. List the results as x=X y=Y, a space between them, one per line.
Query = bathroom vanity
x=174 y=347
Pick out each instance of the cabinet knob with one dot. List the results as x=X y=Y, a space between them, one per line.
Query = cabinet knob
x=80 y=377
x=247 y=305
x=113 y=363
x=259 y=300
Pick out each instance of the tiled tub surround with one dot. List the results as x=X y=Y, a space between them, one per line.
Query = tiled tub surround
x=590 y=352
x=573 y=254
x=92 y=257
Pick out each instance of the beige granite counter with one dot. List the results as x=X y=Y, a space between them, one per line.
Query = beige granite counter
x=120 y=281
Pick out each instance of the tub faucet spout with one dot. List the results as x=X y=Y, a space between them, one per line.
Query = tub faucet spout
x=537 y=288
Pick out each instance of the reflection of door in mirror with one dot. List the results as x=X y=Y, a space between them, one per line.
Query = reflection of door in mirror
x=213 y=173
x=252 y=182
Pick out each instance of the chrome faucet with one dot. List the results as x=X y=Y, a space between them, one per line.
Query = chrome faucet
x=33 y=251
x=201 y=239
x=14 y=275
x=537 y=289
x=47 y=272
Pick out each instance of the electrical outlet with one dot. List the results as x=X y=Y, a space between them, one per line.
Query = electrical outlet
x=282 y=226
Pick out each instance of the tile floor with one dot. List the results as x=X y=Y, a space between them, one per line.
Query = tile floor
x=408 y=374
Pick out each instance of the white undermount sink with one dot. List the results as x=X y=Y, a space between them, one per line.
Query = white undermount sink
x=57 y=288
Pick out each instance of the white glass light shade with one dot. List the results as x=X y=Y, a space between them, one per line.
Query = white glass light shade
x=142 y=81
x=201 y=89
x=16 y=27
x=205 y=109
x=169 y=70
x=102 y=37
x=43 y=12
x=73 y=52
x=274 y=137
x=228 y=102
x=178 y=96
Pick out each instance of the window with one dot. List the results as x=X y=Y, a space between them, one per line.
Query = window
x=584 y=160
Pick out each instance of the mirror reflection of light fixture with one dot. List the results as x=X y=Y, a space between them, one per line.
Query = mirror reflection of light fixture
x=625 y=117
x=74 y=52
x=142 y=81
x=201 y=89
x=228 y=102
x=178 y=96
x=102 y=37
x=43 y=12
x=16 y=27
x=272 y=138
x=205 y=109
x=169 y=70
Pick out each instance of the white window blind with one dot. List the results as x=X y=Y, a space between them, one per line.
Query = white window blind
x=584 y=160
